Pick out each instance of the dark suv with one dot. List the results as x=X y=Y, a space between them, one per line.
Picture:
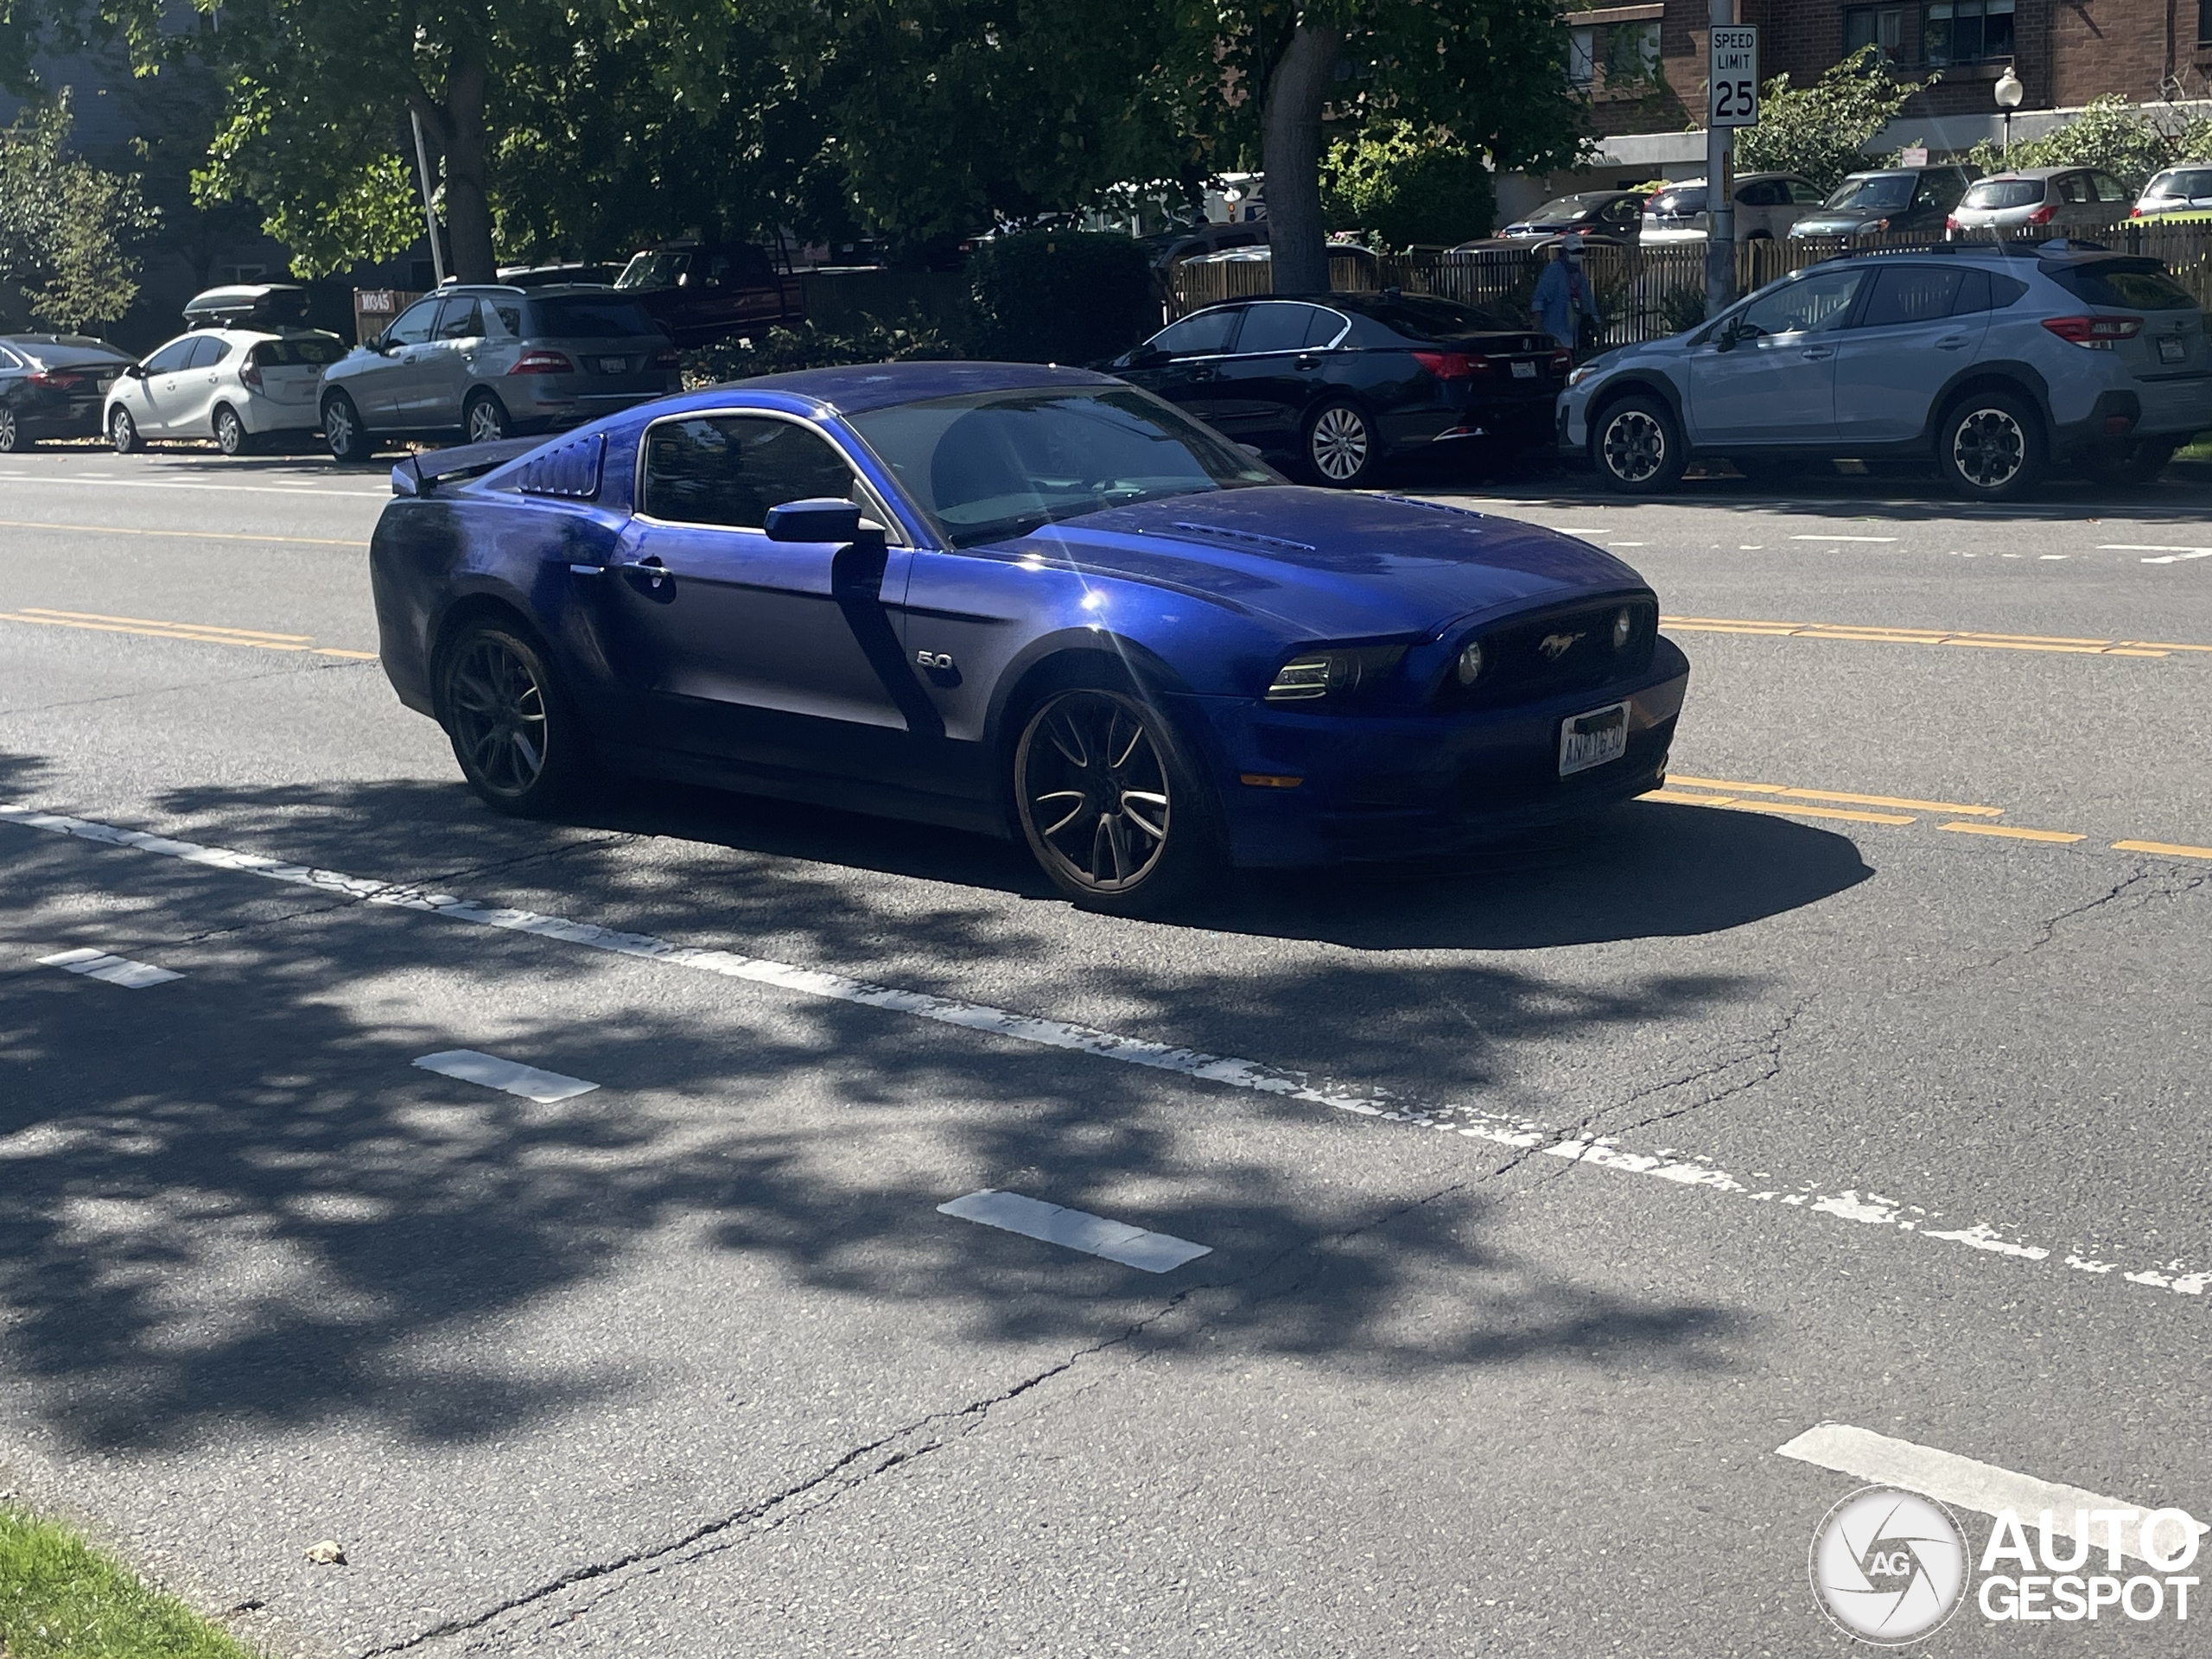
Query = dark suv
x=699 y=291
x=1889 y=201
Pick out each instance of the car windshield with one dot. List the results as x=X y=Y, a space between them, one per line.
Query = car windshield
x=1561 y=207
x=2003 y=193
x=2185 y=184
x=1880 y=193
x=652 y=271
x=992 y=465
x=1669 y=203
x=2124 y=285
x=579 y=317
x=1432 y=319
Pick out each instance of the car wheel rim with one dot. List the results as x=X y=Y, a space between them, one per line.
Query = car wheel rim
x=7 y=430
x=1339 y=444
x=484 y=424
x=1635 y=447
x=337 y=428
x=1094 y=789
x=1989 y=448
x=118 y=430
x=496 y=708
x=228 y=434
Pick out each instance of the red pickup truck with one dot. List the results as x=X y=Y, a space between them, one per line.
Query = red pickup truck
x=701 y=291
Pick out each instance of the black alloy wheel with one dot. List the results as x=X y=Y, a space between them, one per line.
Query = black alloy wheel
x=1341 y=447
x=342 y=429
x=1637 y=447
x=230 y=435
x=1989 y=448
x=13 y=439
x=518 y=744
x=1107 y=805
x=484 y=420
x=122 y=431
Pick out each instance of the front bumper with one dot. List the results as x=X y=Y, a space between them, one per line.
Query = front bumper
x=1382 y=787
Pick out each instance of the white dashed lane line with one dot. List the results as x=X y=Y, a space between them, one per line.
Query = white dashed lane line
x=110 y=970
x=511 y=1077
x=185 y=484
x=2172 y=554
x=1078 y=1230
x=1851 y=1203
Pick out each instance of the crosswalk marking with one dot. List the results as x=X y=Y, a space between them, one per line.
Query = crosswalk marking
x=1077 y=1230
x=109 y=969
x=512 y=1077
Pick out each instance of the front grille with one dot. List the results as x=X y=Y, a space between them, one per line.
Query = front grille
x=1556 y=652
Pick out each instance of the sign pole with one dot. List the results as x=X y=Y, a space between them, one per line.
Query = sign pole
x=1732 y=100
x=430 y=214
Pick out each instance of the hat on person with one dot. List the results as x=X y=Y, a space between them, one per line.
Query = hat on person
x=1571 y=243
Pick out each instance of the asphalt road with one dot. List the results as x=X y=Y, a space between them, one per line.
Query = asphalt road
x=1859 y=1078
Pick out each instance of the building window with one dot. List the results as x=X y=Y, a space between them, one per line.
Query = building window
x=1616 y=54
x=1968 y=31
x=1882 y=29
x=2204 y=23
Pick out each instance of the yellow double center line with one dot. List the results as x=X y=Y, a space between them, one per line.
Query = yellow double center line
x=206 y=634
x=1881 y=636
x=1965 y=820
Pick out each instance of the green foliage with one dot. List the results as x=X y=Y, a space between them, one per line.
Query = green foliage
x=333 y=205
x=60 y=1599
x=1059 y=297
x=2129 y=141
x=1402 y=186
x=1682 y=308
x=69 y=230
x=913 y=338
x=1822 y=132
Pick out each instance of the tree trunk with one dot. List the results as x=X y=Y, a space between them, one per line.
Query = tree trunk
x=1290 y=151
x=457 y=121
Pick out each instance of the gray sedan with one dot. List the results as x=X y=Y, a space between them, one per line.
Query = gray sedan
x=484 y=363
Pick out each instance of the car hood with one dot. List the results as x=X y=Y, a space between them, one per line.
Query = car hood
x=1835 y=220
x=1332 y=565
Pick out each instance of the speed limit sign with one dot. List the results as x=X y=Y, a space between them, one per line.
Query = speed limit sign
x=1732 y=83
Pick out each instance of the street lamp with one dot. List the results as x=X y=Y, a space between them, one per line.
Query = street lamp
x=2009 y=94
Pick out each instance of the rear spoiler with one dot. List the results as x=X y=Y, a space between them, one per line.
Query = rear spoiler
x=420 y=474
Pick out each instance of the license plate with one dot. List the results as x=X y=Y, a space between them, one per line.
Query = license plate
x=2173 y=349
x=614 y=366
x=1525 y=371
x=1592 y=739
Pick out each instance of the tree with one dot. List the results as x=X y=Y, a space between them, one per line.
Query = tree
x=1490 y=73
x=2129 y=141
x=69 y=230
x=1401 y=186
x=1822 y=132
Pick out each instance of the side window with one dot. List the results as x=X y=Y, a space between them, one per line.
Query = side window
x=1273 y=326
x=415 y=323
x=1806 y=195
x=1322 y=327
x=2075 y=187
x=1973 y=293
x=8 y=359
x=461 y=319
x=1623 y=212
x=173 y=356
x=503 y=319
x=1911 y=294
x=1201 y=336
x=1807 y=306
x=2109 y=188
x=730 y=469
x=206 y=351
x=1767 y=192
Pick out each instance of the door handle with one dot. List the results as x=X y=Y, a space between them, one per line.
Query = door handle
x=1951 y=343
x=1818 y=354
x=649 y=566
x=1201 y=374
x=1306 y=360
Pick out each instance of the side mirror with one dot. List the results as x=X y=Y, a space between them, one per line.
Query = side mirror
x=1729 y=334
x=134 y=370
x=820 y=519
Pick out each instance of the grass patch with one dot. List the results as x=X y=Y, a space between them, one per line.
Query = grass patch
x=2197 y=449
x=61 y=1599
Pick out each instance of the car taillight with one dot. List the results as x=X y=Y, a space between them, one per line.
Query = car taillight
x=2135 y=213
x=2095 y=333
x=1562 y=361
x=1950 y=221
x=1452 y=365
x=667 y=357
x=54 y=382
x=542 y=362
x=2043 y=215
x=250 y=375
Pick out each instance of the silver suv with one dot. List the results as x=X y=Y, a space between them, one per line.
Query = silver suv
x=488 y=362
x=1995 y=360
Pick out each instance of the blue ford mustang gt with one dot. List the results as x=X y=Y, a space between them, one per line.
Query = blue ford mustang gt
x=1032 y=601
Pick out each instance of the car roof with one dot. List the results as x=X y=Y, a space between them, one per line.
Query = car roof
x=2037 y=174
x=73 y=342
x=857 y=388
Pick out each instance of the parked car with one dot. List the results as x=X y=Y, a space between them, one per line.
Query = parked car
x=580 y=275
x=2177 y=191
x=1767 y=204
x=702 y=291
x=51 y=386
x=242 y=305
x=1615 y=214
x=2061 y=201
x=1337 y=384
x=1994 y=360
x=1167 y=248
x=1030 y=601
x=1888 y=201
x=484 y=363
x=236 y=386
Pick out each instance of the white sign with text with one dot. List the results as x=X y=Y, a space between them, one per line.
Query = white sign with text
x=1732 y=80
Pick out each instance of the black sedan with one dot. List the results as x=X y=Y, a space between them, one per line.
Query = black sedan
x=1337 y=384
x=51 y=386
x=1613 y=213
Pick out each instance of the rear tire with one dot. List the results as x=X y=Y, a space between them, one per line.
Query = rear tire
x=122 y=431
x=1341 y=449
x=342 y=429
x=1989 y=448
x=515 y=732
x=1637 y=447
x=13 y=439
x=484 y=420
x=230 y=435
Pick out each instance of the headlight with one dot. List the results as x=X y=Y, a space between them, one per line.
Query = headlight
x=1624 y=627
x=1333 y=673
x=1581 y=374
x=1469 y=666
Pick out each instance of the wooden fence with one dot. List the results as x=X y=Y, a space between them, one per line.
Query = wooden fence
x=1644 y=293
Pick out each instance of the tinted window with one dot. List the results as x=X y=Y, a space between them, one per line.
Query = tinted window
x=2003 y=193
x=206 y=351
x=503 y=318
x=1982 y=290
x=1804 y=195
x=1199 y=335
x=8 y=359
x=1767 y=192
x=1275 y=325
x=742 y=264
x=173 y=356
x=998 y=464
x=1806 y=306
x=459 y=319
x=1324 y=325
x=1911 y=293
x=310 y=351
x=1677 y=203
x=2108 y=188
x=415 y=323
x=2184 y=183
x=730 y=469
x=1878 y=193
x=581 y=317
x=1624 y=210
x=2123 y=285
x=2075 y=187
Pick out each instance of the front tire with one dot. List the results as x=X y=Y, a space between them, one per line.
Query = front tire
x=13 y=439
x=122 y=431
x=1112 y=810
x=230 y=435
x=484 y=420
x=342 y=429
x=516 y=735
x=1341 y=449
x=1637 y=447
x=1989 y=448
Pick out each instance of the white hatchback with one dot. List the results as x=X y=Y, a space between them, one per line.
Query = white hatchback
x=235 y=385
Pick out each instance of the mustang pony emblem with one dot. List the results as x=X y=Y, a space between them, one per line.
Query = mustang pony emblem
x=1556 y=645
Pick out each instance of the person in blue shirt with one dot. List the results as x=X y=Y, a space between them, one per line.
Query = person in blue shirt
x=1563 y=295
